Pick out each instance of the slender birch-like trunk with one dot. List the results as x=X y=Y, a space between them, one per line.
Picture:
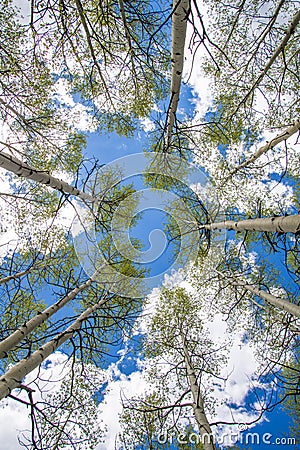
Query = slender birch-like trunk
x=16 y=275
x=281 y=224
x=129 y=41
x=13 y=377
x=272 y=299
x=20 y=168
x=15 y=338
x=181 y=9
x=269 y=298
x=198 y=403
x=276 y=140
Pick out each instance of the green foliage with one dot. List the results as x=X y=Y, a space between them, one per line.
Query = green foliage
x=221 y=132
x=37 y=129
x=106 y=58
x=187 y=440
x=234 y=68
x=141 y=429
x=68 y=415
x=186 y=211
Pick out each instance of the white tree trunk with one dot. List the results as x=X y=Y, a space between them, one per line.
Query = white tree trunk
x=281 y=224
x=181 y=9
x=269 y=298
x=291 y=29
x=198 y=403
x=13 y=164
x=13 y=377
x=276 y=140
x=15 y=338
x=16 y=275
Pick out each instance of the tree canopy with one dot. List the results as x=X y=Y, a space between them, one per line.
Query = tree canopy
x=211 y=89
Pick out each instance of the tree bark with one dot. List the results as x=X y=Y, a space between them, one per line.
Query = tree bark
x=205 y=431
x=281 y=224
x=15 y=165
x=15 y=338
x=276 y=140
x=181 y=9
x=13 y=377
x=269 y=298
x=16 y=275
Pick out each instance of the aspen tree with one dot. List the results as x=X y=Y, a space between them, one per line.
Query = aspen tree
x=181 y=10
x=20 y=168
x=176 y=352
x=198 y=401
x=276 y=140
x=114 y=54
x=13 y=377
x=273 y=300
x=256 y=86
x=283 y=224
x=24 y=330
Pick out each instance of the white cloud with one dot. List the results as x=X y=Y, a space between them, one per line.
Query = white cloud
x=61 y=93
x=242 y=365
x=147 y=124
x=14 y=417
x=126 y=387
x=75 y=113
x=24 y=7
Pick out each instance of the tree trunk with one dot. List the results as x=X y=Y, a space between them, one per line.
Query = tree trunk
x=13 y=377
x=205 y=431
x=16 y=275
x=281 y=224
x=13 y=164
x=181 y=9
x=269 y=298
x=279 y=138
x=15 y=338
